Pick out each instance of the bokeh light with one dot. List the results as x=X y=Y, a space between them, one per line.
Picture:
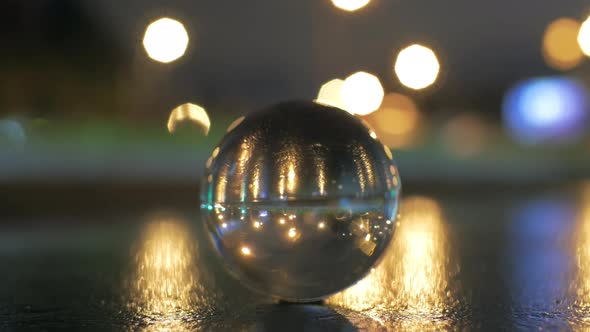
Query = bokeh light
x=350 y=5
x=362 y=93
x=417 y=67
x=331 y=94
x=546 y=110
x=397 y=121
x=560 y=46
x=12 y=133
x=584 y=37
x=189 y=112
x=464 y=125
x=165 y=40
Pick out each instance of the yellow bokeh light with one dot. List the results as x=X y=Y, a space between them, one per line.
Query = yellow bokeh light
x=350 y=5
x=417 y=67
x=246 y=251
x=190 y=112
x=165 y=40
x=330 y=94
x=397 y=121
x=560 y=46
x=466 y=125
x=362 y=93
x=584 y=37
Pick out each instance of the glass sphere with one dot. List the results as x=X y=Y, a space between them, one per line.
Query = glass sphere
x=300 y=200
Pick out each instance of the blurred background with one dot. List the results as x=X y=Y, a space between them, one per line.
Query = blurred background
x=473 y=93
x=110 y=109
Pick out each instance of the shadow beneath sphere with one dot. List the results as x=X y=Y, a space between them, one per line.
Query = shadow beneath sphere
x=287 y=317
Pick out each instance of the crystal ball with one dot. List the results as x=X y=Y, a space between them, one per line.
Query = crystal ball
x=299 y=200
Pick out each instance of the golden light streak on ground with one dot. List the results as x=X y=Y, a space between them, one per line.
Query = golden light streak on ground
x=165 y=40
x=560 y=45
x=189 y=112
x=166 y=285
x=417 y=67
x=413 y=277
x=580 y=287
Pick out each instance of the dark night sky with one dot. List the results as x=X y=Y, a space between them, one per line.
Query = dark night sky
x=282 y=49
x=252 y=53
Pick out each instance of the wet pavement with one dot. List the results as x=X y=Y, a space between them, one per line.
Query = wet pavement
x=500 y=260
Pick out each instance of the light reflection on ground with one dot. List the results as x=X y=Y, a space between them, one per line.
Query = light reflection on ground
x=167 y=289
x=413 y=280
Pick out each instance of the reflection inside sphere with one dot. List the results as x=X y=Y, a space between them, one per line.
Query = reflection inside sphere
x=299 y=200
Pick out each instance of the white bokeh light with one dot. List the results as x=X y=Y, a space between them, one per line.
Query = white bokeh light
x=350 y=5
x=362 y=93
x=189 y=113
x=417 y=67
x=331 y=94
x=584 y=37
x=165 y=40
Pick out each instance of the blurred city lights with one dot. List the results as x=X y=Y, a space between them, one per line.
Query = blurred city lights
x=165 y=40
x=584 y=37
x=246 y=251
x=350 y=5
x=416 y=66
x=331 y=94
x=362 y=93
x=546 y=110
x=466 y=125
x=397 y=120
x=189 y=112
x=560 y=47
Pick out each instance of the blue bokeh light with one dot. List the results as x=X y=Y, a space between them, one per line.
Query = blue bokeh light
x=546 y=110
